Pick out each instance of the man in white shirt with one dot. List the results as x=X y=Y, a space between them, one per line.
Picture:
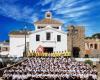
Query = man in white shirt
x=94 y=76
x=15 y=76
x=24 y=76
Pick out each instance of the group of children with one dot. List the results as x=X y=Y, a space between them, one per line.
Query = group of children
x=50 y=68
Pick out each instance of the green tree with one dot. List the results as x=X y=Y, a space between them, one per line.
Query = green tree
x=97 y=35
x=89 y=62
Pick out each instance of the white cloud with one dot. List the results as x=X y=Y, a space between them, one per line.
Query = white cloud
x=8 y=1
x=61 y=4
x=9 y=10
x=64 y=7
x=46 y=2
x=72 y=10
x=75 y=15
x=88 y=30
x=34 y=18
x=75 y=3
x=16 y=12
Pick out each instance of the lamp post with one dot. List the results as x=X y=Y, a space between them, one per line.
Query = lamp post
x=25 y=34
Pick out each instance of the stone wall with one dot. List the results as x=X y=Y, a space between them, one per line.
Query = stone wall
x=76 y=36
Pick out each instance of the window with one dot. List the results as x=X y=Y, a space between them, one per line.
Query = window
x=95 y=46
x=40 y=27
x=48 y=36
x=91 y=45
x=37 y=37
x=5 y=49
x=56 y=27
x=48 y=15
x=67 y=34
x=58 y=38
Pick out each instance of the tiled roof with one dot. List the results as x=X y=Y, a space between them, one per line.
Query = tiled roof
x=19 y=33
x=48 y=21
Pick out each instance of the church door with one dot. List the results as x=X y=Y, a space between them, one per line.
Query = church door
x=48 y=49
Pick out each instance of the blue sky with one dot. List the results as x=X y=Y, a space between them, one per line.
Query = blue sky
x=15 y=14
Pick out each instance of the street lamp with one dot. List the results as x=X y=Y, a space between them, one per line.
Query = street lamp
x=25 y=34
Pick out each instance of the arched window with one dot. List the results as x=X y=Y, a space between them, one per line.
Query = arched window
x=95 y=46
x=48 y=15
x=91 y=45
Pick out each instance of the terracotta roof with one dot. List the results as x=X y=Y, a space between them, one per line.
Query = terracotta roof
x=48 y=21
x=19 y=33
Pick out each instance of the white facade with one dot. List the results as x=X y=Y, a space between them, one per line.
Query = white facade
x=17 y=45
x=57 y=38
x=53 y=43
x=4 y=48
x=46 y=25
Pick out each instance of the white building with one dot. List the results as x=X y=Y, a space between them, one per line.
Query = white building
x=47 y=34
x=4 y=48
x=17 y=43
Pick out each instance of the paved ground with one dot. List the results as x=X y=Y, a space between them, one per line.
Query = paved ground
x=98 y=69
x=0 y=79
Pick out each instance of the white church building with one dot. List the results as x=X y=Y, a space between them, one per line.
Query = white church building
x=47 y=37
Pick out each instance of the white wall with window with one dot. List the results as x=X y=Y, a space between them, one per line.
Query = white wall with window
x=17 y=45
x=4 y=48
x=50 y=38
x=47 y=33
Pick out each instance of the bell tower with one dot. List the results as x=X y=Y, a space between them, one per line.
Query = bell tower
x=75 y=39
x=48 y=15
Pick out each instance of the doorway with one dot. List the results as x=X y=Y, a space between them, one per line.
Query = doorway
x=76 y=51
x=48 y=49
